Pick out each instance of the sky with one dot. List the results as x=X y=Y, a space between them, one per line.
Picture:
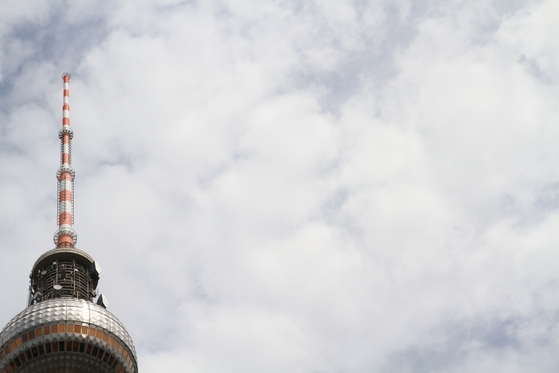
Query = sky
x=296 y=186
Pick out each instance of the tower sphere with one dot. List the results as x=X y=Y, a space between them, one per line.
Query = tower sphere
x=66 y=335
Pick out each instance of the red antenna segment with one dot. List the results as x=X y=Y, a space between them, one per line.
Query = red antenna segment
x=65 y=236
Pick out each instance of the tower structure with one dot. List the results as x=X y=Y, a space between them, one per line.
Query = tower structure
x=63 y=330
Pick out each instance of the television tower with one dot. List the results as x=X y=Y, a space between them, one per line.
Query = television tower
x=62 y=330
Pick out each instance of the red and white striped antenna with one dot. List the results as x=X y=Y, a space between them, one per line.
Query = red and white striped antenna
x=65 y=236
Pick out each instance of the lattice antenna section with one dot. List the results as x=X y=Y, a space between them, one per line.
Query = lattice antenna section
x=65 y=236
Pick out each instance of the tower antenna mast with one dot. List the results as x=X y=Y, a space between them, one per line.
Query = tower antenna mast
x=65 y=236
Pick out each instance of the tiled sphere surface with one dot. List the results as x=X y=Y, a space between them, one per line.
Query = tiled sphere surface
x=67 y=311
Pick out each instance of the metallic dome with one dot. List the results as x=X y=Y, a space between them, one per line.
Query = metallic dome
x=89 y=338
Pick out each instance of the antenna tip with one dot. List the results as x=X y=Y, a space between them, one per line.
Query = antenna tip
x=64 y=75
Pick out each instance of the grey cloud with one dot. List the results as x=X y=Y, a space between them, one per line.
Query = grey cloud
x=457 y=342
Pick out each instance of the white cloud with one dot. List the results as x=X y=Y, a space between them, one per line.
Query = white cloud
x=250 y=217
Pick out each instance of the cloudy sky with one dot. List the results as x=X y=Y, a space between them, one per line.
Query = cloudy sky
x=296 y=186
